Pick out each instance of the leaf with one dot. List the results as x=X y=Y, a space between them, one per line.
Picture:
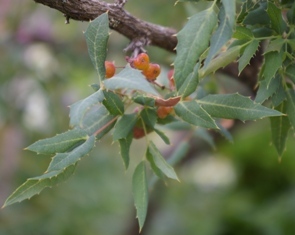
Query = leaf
x=130 y=78
x=257 y=16
x=273 y=61
x=124 y=126
x=279 y=96
x=275 y=15
x=155 y=169
x=243 y=33
x=162 y=135
x=60 y=143
x=167 y=102
x=275 y=45
x=248 y=53
x=98 y=121
x=291 y=106
x=191 y=83
x=193 y=40
x=279 y=128
x=140 y=193
x=290 y=71
x=204 y=134
x=193 y=113
x=125 y=148
x=149 y=117
x=265 y=91
x=224 y=31
x=221 y=61
x=161 y=163
x=63 y=160
x=144 y=100
x=291 y=14
x=97 y=35
x=235 y=106
x=79 y=109
x=35 y=185
x=113 y=103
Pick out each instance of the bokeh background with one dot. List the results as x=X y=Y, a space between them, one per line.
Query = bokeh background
x=234 y=188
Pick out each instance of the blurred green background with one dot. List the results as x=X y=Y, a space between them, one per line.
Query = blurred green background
x=238 y=188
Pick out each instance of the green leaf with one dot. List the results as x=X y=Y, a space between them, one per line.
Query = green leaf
x=63 y=160
x=248 y=53
x=265 y=91
x=97 y=35
x=221 y=61
x=243 y=33
x=125 y=148
x=290 y=72
x=98 y=121
x=280 y=127
x=35 y=185
x=149 y=117
x=291 y=14
x=193 y=40
x=144 y=100
x=155 y=169
x=191 y=83
x=246 y=7
x=124 y=126
x=113 y=103
x=279 y=96
x=162 y=135
x=130 y=78
x=235 y=106
x=275 y=15
x=161 y=163
x=60 y=143
x=257 y=16
x=291 y=107
x=275 y=45
x=79 y=109
x=193 y=113
x=140 y=193
x=224 y=31
x=273 y=61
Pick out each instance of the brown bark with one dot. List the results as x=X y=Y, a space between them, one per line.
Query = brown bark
x=141 y=33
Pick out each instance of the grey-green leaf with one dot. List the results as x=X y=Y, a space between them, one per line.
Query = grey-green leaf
x=60 y=143
x=276 y=19
x=193 y=113
x=97 y=35
x=125 y=148
x=35 y=185
x=265 y=90
x=124 y=126
x=63 y=160
x=193 y=40
x=225 y=29
x=191 y=83
x=140 y=193
x=132 y=79
x=98 y=121
x=235 y=106
x=161 y=163
x=248 y=53
x=273 y=61
x=79 y=109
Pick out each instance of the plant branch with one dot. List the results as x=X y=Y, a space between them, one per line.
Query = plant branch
x=141 y=33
